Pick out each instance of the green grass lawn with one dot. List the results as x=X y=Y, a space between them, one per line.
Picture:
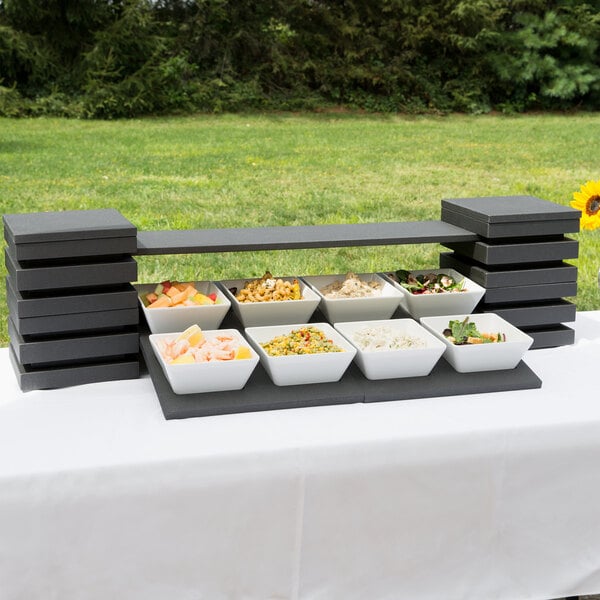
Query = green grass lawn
x=283 y=169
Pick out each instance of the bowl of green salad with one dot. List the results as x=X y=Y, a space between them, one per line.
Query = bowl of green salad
x=433 y=292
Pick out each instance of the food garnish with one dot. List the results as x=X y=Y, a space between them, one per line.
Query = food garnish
x=428 y=283
x=465 y=332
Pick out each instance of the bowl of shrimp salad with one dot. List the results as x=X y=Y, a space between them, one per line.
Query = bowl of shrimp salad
x=214 y=361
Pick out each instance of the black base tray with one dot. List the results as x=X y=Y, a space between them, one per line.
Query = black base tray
x=261 y=394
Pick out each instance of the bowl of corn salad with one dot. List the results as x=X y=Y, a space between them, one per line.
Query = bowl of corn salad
x=300 y=354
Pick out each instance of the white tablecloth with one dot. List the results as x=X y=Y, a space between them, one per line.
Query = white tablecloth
x=492 y=496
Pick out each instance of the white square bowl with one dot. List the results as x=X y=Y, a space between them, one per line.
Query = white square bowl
x=179 y=318
x=218 y=376
x=446 y=303
x=381 y=363
x=304 y=368
x=279 y=312
x=381 y=306
x=482 y=357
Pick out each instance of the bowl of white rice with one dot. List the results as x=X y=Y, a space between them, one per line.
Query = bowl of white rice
x=392 y=348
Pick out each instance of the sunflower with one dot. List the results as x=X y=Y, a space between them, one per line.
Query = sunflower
x=588 y=202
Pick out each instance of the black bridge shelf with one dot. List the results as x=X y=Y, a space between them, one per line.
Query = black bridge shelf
x=294 y=237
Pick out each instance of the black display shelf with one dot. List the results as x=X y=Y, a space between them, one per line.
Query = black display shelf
x=46 y=251
x=539 y=314
x=529 y=293
x=31 y=350
x=64 y=302
x=510 y=275
x=510 y=216
x=297 y=237
x=50 y=377
x=515 y=252
x=549 y=337
x=73 y=274
x=76 y=322
x=59 y=226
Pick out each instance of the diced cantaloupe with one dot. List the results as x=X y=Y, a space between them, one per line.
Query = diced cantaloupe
x=173 y=291
x=162 y=301
x=179 y=297
x=182 y=285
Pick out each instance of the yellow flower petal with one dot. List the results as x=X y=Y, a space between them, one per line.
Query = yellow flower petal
x=587 y=200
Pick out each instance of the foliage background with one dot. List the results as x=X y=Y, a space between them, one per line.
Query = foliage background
x=126 y=58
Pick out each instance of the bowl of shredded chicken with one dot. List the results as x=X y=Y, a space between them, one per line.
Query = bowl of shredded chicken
x=355 y=296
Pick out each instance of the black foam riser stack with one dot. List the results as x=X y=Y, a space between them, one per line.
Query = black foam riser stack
x=73 y=313
x=520 y=260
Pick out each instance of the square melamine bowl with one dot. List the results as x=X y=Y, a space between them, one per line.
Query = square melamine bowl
x=276 y=312
x=178 y=318
x=482 y=357
x=356 y=309
x=218 y=376
x=305 y=368
x=402 y=362
x=447 y=303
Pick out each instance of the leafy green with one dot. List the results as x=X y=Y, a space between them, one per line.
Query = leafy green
x=462 y=330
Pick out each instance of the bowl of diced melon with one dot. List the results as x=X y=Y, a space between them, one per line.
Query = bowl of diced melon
x=172 y=306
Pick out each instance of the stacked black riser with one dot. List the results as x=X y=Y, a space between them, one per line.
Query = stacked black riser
x=519 y=259
x=73 y=313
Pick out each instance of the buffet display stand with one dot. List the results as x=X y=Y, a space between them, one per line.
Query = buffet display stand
x=69 y=292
